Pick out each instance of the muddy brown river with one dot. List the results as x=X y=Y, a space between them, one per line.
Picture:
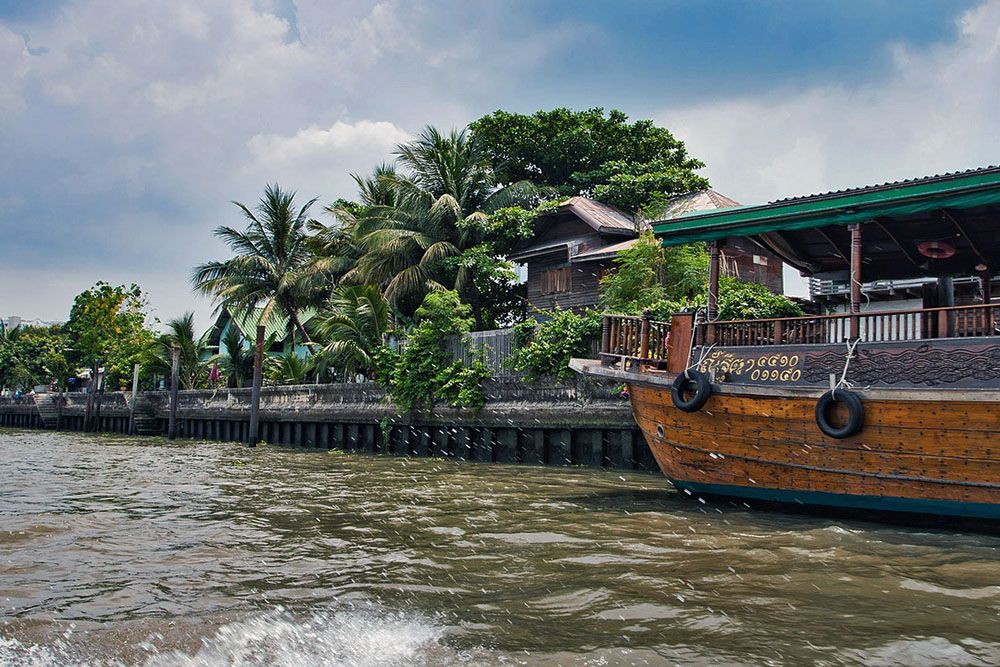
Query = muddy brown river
x=119 y=551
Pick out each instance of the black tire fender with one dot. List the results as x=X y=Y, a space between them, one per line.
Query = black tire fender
x=855 y=409
x=702 y=390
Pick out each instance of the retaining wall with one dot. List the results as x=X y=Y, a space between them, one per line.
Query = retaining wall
x=576 y=423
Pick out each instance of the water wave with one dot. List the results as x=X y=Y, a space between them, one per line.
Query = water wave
x=279 y=638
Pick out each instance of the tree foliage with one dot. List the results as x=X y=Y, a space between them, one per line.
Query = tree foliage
x=32 y=356
x=272 y=264
x=352 y=327
x=236 y=358
x=431 y=210
x=630 y=165
x=107 y=324
x=543 y=350
x=740 y=300
x=648 y=276
x=424 y=372
x=194 y=354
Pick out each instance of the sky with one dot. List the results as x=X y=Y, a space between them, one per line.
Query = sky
x=127 y=127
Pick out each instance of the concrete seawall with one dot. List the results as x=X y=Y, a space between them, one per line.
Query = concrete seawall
x=576 y=423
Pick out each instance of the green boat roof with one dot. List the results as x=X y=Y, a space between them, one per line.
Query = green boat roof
x=955 y=190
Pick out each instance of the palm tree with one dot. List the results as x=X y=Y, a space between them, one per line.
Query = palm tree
x=352 y=327
x=237 y=362
x=272 y=265
x=339 y=243
x=438 y=207
x=289 y=368
x=180 y=333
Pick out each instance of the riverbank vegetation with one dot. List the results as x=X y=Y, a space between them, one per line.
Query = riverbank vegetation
x=374 y=287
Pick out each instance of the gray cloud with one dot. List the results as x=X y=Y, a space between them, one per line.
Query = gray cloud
x=129 y=126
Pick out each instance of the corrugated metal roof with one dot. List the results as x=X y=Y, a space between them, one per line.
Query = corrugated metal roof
x=889 y=184
x=961 y=189
x=601 y=217
x=606 y=251
x=532 y=251
x=702 y=200
x=276 y=325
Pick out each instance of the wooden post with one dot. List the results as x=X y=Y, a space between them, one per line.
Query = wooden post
x=60 y=401
x=102 y=381
x=855 y=281
x=606 y=335
x=713 y=289
x=986 y=276
x=679 y=342
x=91 y=391
x=175 y=371
x=258 y=372
x=135 y=394
x=644 y=337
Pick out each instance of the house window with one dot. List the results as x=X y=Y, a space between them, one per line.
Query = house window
x=555 y=281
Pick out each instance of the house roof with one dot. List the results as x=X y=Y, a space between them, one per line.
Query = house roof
x=839 y=207
x=602 y=217
x=958 y=209
x=702 y=200
x=605 y=252
x=246 y=322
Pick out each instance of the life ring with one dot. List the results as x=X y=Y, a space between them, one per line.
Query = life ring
x=702 y=390
x=855 y=410
x=936 y=249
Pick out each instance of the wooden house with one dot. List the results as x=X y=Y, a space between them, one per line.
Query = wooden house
x=575 y=245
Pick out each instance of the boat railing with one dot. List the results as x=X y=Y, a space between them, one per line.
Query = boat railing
x=645 y=342
x=870 y=327
x=627 y=338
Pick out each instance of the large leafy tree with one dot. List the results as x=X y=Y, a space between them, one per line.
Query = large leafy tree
x=272 y=265
x=635 y=166
x=108 y=324
x=434 y=209
x=194 y=353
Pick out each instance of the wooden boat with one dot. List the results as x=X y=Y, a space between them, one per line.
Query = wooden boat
x=874 y=409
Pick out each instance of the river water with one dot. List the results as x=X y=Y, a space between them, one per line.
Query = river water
x=121 y=551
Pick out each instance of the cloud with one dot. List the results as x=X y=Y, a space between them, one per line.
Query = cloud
x=314 y=142
x=13 y=55
x=316 y=159
x=936 y=111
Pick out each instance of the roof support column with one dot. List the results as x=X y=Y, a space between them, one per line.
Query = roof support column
x=713 y=288
x=855 y=281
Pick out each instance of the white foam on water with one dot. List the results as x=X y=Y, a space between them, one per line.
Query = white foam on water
x=342 y=638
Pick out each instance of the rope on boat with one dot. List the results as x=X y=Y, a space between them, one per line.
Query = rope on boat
x=847 y=363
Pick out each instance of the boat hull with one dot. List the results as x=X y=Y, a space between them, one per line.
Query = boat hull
x=922 y=453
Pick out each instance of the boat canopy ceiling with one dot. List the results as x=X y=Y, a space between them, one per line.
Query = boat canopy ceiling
x=947 y=224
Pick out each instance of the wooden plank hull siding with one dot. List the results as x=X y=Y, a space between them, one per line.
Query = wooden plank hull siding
x=930 y=455
x=541 y=424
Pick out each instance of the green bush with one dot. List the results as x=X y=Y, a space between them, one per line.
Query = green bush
x=424 y=372
x=739 y=300
x=666 y=280
x=543 y=350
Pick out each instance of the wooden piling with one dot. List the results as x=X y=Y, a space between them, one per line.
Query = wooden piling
x=258 y=371
x=175 y=369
